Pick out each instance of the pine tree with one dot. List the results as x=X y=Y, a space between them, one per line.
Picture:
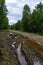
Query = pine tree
x=3 y=15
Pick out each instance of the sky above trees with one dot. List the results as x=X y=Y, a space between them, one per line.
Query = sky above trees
x=15 y=8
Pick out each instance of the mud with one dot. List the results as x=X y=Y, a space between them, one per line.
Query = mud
x=30 y=50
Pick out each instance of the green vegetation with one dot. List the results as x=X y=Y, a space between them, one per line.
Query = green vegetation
x=31 y=22
x=26 y=18
x=3 y=15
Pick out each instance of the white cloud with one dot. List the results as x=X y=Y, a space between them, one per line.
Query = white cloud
x=15 y=8
x=11 y=1
x=12 y=20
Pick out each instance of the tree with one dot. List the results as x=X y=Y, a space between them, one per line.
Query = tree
x=3 y=15
x=37 y=19
x=39 y=7
x=18 y=25
x=26 y=17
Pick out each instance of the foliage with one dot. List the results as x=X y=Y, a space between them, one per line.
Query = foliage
x=37 y=19
x=31 y=22
x=3 y=15
x=12 y=27
x=18 y=25
x=26 y=17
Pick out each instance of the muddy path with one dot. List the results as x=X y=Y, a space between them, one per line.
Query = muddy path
x=17 y=49
x=32 y=36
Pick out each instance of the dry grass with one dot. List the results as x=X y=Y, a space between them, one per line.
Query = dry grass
x=33 y=44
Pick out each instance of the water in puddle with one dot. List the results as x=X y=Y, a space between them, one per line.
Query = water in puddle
x=37 y=63
x=13 y=45
x=20 y=57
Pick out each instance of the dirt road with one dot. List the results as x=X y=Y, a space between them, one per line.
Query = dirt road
x=37 y=38
x=30 y=50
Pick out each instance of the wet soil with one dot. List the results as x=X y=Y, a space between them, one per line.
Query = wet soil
x=30 y=49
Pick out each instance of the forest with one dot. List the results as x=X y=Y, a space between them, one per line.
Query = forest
x=31 y=21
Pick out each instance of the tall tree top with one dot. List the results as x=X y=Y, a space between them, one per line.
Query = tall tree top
x=26 y=8
x=2 y=1
x=39 y=7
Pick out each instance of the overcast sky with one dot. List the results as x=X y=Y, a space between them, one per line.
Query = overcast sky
x=15 y=8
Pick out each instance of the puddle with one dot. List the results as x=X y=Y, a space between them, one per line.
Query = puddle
x=13 y=45
x=37 y=63
x=20 y=57
x=16 y=37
